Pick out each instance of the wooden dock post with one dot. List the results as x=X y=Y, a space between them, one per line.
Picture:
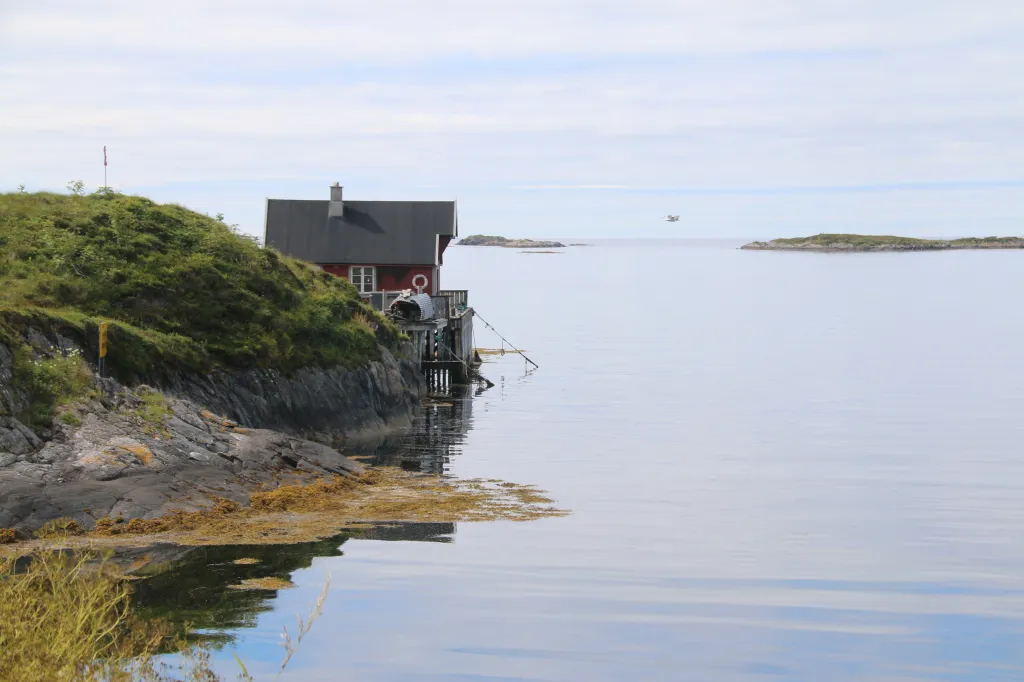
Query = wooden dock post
x=445 y=342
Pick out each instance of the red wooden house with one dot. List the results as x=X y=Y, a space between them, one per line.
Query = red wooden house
x=376 y=245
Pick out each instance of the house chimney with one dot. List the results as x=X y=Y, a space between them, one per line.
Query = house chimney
x=337 y=206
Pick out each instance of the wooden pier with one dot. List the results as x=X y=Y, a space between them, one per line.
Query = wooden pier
x=444 y=342
x=448 y=353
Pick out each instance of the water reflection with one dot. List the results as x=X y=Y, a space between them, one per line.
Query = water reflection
x=191 y=587
x=438 y=433
x=408 y=531
x=804 y=469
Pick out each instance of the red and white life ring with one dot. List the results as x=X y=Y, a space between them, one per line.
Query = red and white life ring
x=419 y=281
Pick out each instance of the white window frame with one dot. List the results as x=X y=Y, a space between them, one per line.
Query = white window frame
x=362 y=271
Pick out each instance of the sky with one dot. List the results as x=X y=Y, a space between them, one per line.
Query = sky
x=543 y=118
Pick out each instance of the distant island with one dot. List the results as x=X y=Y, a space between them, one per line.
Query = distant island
x=861 y=242
x=484 y=240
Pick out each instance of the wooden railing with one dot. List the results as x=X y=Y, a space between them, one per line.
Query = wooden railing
x=449 y=303
x=459 y=299
x=380 y=300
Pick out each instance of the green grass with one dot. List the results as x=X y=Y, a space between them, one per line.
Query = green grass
x=152 y=414
x=182 y=291
x=71 y=419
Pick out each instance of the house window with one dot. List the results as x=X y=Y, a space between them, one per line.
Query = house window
x=363 y=277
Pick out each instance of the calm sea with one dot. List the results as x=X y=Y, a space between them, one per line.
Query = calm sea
x=781 y=466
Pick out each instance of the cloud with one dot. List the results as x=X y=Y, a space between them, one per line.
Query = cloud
x=398 y=29
x=515 y=96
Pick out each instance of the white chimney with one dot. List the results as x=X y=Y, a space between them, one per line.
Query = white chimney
x=337 y=206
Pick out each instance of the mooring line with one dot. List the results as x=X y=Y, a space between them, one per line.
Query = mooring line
x=469 y=368
x=487 y=324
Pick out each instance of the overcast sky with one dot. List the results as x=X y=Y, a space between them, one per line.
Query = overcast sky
x=749 y=118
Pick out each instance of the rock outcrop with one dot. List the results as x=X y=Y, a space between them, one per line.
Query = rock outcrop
x=115 y=463
x=323 y=404
x=143 y=452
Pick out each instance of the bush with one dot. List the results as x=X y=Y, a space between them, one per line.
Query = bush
x=50 y=382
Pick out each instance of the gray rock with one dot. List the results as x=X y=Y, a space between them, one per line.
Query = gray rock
x=321 y=404
x=17 y=438
x=112 y=463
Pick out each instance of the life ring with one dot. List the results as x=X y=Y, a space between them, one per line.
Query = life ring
x=419 y=281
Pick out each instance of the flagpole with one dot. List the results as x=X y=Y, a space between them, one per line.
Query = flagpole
x=104 y=166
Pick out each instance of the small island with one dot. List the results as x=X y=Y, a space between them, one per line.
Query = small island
x=484 y=240
x=860 y=242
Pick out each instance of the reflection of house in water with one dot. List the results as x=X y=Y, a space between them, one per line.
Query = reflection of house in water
x=436 y=435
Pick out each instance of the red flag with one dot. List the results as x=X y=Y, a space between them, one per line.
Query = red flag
x=104 y=155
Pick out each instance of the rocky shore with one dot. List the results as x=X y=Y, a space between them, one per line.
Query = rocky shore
x=854 y=242
x=484 y=240
x=143 y=451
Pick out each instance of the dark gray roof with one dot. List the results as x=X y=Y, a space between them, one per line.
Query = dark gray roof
x=371 y=232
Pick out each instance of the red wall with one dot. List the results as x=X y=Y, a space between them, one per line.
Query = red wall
x=394 y=277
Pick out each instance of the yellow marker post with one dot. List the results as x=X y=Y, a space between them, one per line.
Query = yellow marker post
x=103 y=346
x=103 y=338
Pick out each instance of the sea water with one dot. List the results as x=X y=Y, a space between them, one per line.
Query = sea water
x=780 y=466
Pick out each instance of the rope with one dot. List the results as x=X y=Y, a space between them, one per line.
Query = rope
x=452 y=353
x=469 y=370
x=487 y=324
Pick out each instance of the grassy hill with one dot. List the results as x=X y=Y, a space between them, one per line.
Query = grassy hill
x=181 y=289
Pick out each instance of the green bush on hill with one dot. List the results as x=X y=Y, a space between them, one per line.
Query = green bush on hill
x=50 y=382
x=181 y=290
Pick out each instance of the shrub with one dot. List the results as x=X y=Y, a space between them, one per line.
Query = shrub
x=50 y=382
